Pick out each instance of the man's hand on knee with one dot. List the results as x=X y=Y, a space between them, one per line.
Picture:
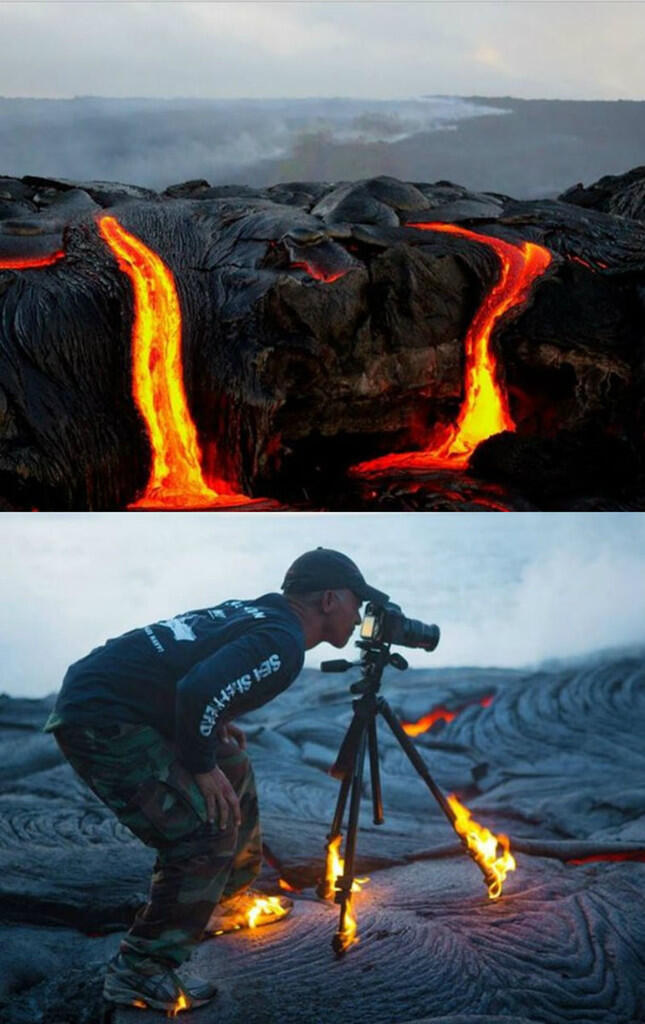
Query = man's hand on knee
x=221 y=799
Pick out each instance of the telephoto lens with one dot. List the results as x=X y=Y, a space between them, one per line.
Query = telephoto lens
x=387 y=624
x=413 y=633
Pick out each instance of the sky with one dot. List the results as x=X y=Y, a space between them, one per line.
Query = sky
x=550 y=49
x=506 y=590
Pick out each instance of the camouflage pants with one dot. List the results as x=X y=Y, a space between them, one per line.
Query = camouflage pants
x=134 y=770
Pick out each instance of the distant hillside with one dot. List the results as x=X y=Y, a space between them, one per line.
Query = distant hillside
x=525 y=148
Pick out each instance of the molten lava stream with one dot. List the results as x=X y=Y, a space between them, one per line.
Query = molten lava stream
x=27 y=262
x=176 y=479
x=441 y=715
x=485 y=409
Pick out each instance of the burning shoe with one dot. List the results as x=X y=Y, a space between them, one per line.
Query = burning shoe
x=248 y=909
x=160 y=991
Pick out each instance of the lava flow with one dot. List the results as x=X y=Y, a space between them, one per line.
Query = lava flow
x=176 y=479
x=318 y=275
x=27 y=262
x=483 y=846
x=612 y=858
x=334 y=869
x=440 y=715
x=485 y=410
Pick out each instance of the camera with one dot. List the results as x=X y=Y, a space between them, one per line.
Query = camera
x=386 y=624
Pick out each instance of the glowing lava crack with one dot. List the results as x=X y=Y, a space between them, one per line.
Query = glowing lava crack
x=27 y=262
x=485 y=409
x=176 y=479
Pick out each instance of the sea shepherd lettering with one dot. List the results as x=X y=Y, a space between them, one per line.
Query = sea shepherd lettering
x=218 y=703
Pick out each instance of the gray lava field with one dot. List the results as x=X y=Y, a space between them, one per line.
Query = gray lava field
x=555 y=760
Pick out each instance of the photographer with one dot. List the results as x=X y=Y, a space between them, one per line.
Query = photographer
x=146 y=721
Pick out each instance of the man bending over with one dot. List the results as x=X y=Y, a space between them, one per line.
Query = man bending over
x=146 y=721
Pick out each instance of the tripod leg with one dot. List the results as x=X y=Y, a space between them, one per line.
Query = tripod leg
x=347 y=925
x=326 y=887
x=377 y=799
x=416 y=759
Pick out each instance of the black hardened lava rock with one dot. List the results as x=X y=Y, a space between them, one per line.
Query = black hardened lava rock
x=620 y=194
x=550 y=470
x=319 y=328
x=552 y=757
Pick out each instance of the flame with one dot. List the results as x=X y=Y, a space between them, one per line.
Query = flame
x=335 y=869
x=27 y=262
x=483 y=846
x=439 y=714
x=181 y=1004
x=265 y=905
x=176 y=479
x=282 y=882
x=348 y=936
x=485 y=410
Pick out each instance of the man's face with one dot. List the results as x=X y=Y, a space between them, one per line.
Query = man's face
x=342 y=615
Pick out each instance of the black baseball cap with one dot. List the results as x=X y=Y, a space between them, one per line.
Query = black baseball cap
x=324 y=569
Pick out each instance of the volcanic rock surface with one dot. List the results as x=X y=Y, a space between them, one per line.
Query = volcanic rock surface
x=554 y=758
x=620 y=194
x=319 y=329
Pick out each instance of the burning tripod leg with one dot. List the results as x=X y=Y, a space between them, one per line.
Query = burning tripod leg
x=339 y=881
x=480 y=844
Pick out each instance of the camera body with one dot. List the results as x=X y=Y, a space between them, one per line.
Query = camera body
x=386 y=624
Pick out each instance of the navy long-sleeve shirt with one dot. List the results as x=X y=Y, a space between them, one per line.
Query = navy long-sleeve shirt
x=187 y=675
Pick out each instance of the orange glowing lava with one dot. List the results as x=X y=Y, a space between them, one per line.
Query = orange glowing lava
x=334 y=870
x=176 y=479
x=427 y=721
x=485 y=410
x=27 y=262
x=440 y=714
x=319 y=275
x=483 y=847
x=608 y=857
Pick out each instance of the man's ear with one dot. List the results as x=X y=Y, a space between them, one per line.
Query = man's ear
x=327 y=600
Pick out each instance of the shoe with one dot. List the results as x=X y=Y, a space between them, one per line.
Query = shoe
x=160 y=991
x=248 y=909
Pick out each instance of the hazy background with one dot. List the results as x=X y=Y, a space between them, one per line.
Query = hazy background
x=256 y=93
x=507 y=590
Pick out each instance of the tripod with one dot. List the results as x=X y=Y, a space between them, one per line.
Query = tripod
x=360 y=738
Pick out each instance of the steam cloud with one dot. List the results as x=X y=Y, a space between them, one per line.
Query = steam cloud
x=159 y=142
